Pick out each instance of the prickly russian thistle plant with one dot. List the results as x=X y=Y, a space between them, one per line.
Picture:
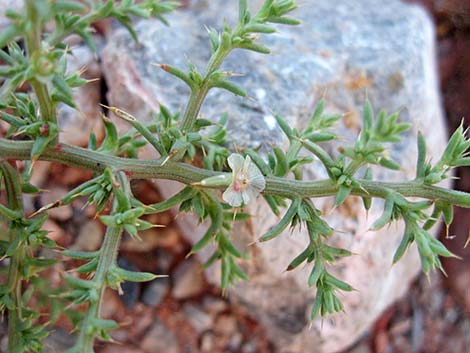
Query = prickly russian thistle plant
x=34 y=134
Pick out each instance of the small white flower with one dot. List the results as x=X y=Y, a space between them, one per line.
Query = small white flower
x=247 y=181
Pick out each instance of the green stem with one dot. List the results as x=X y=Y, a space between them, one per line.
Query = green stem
x=294 y=149
x=15 y=289
x=14 y=285
x=187 y=174
x=34 y=30
x=107 y=260
x=198 y=95
x=194 y=106
x=107 y=257
x=33 y=44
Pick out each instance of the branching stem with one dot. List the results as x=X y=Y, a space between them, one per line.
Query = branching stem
x=198 y=95
x=108 y=255
x=187 y=174
x=13 y=190
x=33 y=44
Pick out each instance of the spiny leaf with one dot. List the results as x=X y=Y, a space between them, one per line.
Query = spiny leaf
x=133 y=276
x=284 y=222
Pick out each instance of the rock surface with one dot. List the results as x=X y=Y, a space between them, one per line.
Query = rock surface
x=200 y=320
x=188 y=280
x=77 y=124
x=155 y=292
x=89 y=236
x=14 y=5
x=346 y=49
x=159 y=339
x=458 y=277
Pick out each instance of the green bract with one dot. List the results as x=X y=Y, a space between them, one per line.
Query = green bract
x=214 y=192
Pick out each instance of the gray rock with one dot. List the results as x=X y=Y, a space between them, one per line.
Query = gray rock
x=131 y=290
x=345 y=49
x=159 y=340
x=214 y=305
x=249 y=347
x=188 y=280
x=77 y=124
x=164 y=260
x=207 y=342
x=226 y=325
x=59 y=340
x=200 y=320
x=5 y=5
x=156 y=291
x=235 y=342
x=362 y=348
x=89 y=236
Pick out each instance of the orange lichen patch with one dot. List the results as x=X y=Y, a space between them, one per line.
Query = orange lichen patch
x=351 y=120
x=324 y=54
x=351 y=207
x=358 y=81
x=396 y=82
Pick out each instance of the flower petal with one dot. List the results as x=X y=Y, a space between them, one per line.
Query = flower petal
x=247 y=165
x=248 y=195
x=232 y=197
x=255 y=177
x=236 y=161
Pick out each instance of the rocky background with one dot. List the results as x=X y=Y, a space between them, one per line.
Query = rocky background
x=187 y=312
